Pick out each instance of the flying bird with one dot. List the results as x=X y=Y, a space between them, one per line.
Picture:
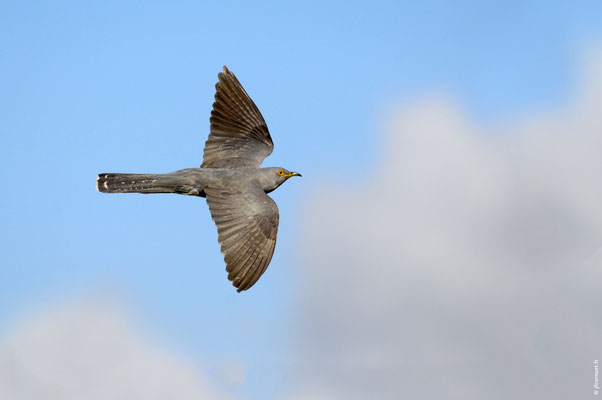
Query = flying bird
x=231 y=179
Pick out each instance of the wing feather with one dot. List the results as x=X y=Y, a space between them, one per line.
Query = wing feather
x=239 y=136
x=247 y=226
x=254 y=276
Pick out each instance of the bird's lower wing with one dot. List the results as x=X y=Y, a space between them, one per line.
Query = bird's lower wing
x=247 y=225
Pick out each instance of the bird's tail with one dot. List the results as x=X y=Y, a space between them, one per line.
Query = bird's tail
x=133 y=183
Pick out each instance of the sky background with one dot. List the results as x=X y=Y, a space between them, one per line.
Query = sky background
x=450 y=154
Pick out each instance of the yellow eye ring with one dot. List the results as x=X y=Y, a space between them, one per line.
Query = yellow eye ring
x=280 y=172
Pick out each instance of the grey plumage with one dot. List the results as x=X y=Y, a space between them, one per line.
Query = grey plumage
x=232 y=180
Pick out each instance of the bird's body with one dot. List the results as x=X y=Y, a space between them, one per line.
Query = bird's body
x=190 y=181
x=232 y=180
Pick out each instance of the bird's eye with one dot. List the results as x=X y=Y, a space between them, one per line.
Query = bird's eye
x=280 y=172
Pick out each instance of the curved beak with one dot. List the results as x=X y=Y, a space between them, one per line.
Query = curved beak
x=293 y=174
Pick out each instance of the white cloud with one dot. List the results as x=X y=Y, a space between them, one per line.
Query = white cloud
x=466 y=268
x=92 y=351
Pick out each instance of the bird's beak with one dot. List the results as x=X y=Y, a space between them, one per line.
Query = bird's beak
x=293 y=174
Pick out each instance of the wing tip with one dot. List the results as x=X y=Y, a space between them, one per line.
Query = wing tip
x=222 y=77
x=225 y=72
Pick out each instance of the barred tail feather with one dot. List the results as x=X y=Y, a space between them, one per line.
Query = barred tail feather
x=131 y=183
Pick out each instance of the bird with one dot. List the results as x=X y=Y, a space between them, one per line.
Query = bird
x=231 y=179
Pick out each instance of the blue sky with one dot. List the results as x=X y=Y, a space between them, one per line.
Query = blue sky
x=128 y=86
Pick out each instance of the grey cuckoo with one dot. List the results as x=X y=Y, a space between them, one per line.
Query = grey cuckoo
x=232 y=180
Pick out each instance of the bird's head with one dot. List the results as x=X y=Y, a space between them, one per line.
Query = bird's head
x=276 y=176
x=284 y=173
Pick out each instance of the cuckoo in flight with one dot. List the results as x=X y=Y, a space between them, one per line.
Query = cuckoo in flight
x=232 y=180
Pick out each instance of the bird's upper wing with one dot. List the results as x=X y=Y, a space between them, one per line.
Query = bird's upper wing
x=247 y=225
x=239 y=136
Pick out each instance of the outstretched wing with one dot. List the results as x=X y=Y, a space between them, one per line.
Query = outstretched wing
x=239 y=136
x=247 y=225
